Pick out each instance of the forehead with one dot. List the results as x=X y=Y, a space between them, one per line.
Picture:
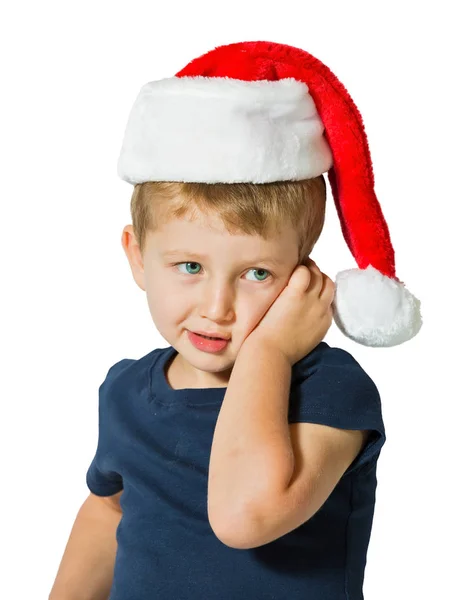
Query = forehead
x=206 y=235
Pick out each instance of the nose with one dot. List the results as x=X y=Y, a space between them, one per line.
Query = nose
x=217 y=300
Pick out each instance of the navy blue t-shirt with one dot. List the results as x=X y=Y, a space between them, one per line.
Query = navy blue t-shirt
x=155 y=441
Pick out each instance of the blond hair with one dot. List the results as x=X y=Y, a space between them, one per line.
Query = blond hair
x=249 y=208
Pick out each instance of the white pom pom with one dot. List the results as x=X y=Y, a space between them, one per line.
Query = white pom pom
x=375 y=310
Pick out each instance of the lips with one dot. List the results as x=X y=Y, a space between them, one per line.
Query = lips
x=216 y=336
x=207 y=345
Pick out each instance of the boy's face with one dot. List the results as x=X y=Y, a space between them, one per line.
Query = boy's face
x=225 y=291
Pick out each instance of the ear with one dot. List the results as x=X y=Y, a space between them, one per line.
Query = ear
x=132 y=250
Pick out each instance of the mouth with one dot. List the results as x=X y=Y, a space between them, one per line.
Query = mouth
x=211 y=337
x=207 y=343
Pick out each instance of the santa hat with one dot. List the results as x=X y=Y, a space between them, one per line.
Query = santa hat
x=260 y=112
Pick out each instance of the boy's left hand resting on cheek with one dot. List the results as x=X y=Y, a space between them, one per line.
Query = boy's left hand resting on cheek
x=300 y=316
x=268 y=476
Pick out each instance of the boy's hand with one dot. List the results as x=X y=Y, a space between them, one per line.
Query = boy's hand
x=300 y=316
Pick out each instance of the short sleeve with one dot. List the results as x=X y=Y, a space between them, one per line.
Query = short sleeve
x=335 y=390
x=101 y=478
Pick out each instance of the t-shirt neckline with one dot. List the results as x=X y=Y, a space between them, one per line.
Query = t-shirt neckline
x=161 y=390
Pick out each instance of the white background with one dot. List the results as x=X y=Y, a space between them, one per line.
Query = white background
x=70 y=308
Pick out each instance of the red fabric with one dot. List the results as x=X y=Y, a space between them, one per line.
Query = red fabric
x=351 y=176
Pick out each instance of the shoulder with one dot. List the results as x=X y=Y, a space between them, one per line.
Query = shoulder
x=325 y=360
x=125 y=381
x=129 y=367
x=329 y=377
x=117 y=368
x=324 y=355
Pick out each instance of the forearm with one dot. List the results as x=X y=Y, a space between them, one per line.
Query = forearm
x=86 y=569
x=251 y=455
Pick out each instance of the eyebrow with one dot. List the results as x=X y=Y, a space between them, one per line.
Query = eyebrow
x=170 y=253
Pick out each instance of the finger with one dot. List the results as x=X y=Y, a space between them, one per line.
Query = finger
x=304 y=276
x=327 y=286
x=328 y=289
x=317 y=279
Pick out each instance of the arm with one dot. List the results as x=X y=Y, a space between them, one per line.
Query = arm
x=251 y=455
x=86 y=569
x=267 y=477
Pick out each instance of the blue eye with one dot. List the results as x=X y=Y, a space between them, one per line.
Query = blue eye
x=261 y=271
x=187 y=263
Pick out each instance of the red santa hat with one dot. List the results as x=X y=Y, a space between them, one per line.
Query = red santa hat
x=260 y=112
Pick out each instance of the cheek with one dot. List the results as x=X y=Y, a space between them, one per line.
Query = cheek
x=162 y=295
x=164 y=306
x=251 y=311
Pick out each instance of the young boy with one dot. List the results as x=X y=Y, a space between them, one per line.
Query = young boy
x=242 y=466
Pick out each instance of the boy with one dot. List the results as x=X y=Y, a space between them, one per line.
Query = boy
x=242 y=466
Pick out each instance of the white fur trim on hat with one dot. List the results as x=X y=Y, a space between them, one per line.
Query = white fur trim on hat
x=217 y=129
x=375 y=310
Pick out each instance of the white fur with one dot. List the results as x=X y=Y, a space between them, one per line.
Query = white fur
x=217 y=129
x=375 y=310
